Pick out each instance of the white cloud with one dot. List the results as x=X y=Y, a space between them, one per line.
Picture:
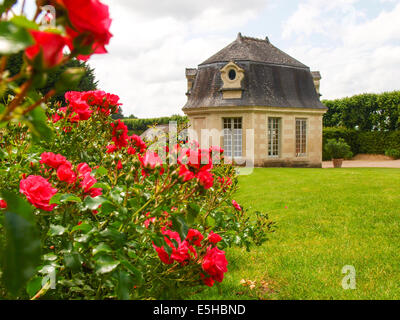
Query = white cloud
x=153 y=43
x=358 y=54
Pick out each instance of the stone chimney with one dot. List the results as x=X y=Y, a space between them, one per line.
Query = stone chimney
x=190 y=76
x=317 y=78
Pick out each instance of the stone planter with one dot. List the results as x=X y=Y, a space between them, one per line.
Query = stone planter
x=337 y=163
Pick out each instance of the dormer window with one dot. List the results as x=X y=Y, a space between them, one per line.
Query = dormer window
x=232 y=76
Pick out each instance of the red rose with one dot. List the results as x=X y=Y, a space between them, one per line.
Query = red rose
x=111 y=148
x=208 y=281
x=137 y=143
x=92 y=19
x=78 y=105
x=150 y=220
x=206 y=179
x=215 y=263
x=3 y=204
x=119 y=165
x=185 y=174
x=52 y=160
x=87 y=182
x=194 y=236
x=83 y=168
x=197 y=159
x=214 y=237
x=236 y=205
x=120 y=134
x=50 y=44
x=95 y=192
x=180 y=254
x=150 y=160
x=65 y=173
x=38 y=191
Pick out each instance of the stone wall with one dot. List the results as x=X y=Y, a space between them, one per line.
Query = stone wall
x=257 y=119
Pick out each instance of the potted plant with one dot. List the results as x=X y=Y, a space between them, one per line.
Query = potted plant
x=337 y=151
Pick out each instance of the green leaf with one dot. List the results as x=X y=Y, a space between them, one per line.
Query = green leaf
x=117 y=195
x=37 y=123
x=106 y=264
x=13 y=38
x=60 y=198
x=56 y=230
x=24 y=22
x=102 y=185
x=100 y=171
x=179 y=225
x=93 y=203
x=50 y=257
x=69 y=79
x=102 y=247
x=137 y=274
x=84 y=227
x=124 y=284
x=193 y=212
x=73 y=260
x=21 y=254
x=33 y=286
x=108 y=207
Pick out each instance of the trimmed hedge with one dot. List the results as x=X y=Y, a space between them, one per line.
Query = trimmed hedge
x=365 y=112
x=371 y=142
x=138 y=126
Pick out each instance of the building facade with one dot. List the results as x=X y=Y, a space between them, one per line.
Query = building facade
x=257 y=103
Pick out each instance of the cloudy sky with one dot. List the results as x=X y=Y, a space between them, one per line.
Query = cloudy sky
x=355 y=44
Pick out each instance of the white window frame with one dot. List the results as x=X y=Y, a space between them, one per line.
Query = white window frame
x=233 y=137
x=274 y=137
x=301 y=136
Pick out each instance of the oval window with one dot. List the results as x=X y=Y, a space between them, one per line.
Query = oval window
x=232 y=74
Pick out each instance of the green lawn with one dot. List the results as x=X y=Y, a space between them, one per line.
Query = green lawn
x=334 y=217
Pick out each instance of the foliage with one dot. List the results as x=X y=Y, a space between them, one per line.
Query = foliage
x=371 y=142
x=138 y=126
x=338 y=149
x=394 y=153
x=114 y=222
x=365 y=112
x=87 y=82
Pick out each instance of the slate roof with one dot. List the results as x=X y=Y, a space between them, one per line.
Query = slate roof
x=252 y=49
x=272 y=78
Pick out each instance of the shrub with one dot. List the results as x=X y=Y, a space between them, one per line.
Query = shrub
x=338 y=149
x=115 y=216
x=394 y=153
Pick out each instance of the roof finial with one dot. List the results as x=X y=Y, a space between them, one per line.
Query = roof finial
x=266 y=39
x=239 y=36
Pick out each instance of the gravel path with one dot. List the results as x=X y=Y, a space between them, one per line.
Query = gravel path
x=365 y=164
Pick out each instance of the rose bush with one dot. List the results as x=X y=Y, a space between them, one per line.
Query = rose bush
x=121 y=222
x=88 y=211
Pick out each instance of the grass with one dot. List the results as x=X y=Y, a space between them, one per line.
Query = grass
x=333 y=218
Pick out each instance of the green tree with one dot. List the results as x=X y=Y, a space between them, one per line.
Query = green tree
x=88 y=82
x=119 y=115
